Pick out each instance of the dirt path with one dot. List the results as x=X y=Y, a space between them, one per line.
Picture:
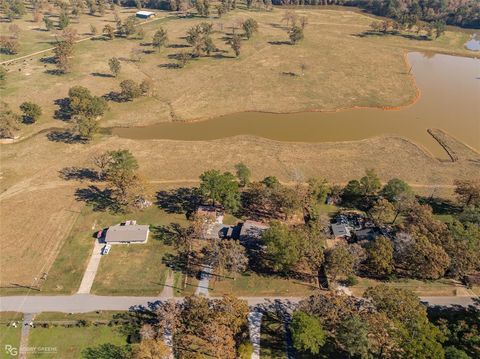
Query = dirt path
x=167 y=291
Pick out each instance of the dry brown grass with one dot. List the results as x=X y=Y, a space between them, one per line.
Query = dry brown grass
x=38 y=208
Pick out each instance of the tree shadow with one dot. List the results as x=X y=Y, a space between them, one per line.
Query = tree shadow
x=279 y=42
x=99 y=74
x=179 y=200
x=441 y=205
x=114 y=96
x=48 y=60
x=170 y=66
x=178 y=46
x=79 y=174
x=279 y=26
x=99 y=200
x=54 y=72
x=63 y=113
x=65 y=137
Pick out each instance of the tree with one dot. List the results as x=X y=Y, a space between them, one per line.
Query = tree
x=183 y=57
x=425 y=260
x=9 y=121
x=370 y=183
x=146 y=86
x=395 y=188
x=115 y=66
x=9 y=45
x=159 y=38
x=439 y=27
x=93 y=30
x=152 y=349
x=129 y=90
x=220 y=188
x=129 y=26
x=339 y=261
x=307 y=333
x=108 y=32
x=382 y=212
x=380 y=256
x=48 y=23
x=282 y=247
x=352 y=335
x=295 y=34
x=82 y=102
x=63 y=20
x=414 y=334
x=231 y=256
x=63 y=53
x=243 y=174
x=107 y=351
x=271 y=181
x=250 y=26
x=85 y=127
x=468 y=192
x=121 y=175
x=454 y=353
x=31 y=112
x=235 y=43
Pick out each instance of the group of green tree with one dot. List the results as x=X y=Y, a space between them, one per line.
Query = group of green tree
x=387 y=322
x=199 y=328
x=463 y=13
x=431 y=29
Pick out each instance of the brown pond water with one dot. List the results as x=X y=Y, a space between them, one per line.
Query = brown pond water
x=450 y=100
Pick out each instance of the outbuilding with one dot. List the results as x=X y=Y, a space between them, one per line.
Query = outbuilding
x=144 y=14
x=128 y=232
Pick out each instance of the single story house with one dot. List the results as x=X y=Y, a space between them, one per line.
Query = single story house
x=128 y=232
x=252 y=230
x=341 y=230
x=144 y=14
x=216 y=214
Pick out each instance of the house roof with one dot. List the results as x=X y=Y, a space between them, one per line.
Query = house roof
x=127 y=233
x=252 y=229
x=340 y=230
x=145 y=13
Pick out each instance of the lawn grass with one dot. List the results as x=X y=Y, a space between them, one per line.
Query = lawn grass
x=101 y=316
x=272 y=338
x=253 y=284
x=9 y=336
x=69 y=342
x=441 y=287
x=69 y=267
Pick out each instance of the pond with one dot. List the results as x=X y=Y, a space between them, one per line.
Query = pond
x=450 y=100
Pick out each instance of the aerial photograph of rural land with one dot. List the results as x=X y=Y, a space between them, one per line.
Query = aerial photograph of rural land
x=240 y=179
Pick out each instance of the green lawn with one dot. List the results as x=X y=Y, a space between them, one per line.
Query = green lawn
x=272 y=339
x=92 y=316
x=144 y=260
x=69 y=342
x=9 y=336
x=441 y=287
x=252 y=284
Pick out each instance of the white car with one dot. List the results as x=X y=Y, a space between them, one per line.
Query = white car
x=106 y=249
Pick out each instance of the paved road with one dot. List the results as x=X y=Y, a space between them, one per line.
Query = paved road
x=92 y=267
x=82 y=303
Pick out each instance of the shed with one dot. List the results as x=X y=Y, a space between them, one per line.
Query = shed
x=144 y=14
x=128 y=232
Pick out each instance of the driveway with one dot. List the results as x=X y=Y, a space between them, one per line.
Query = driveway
x=91 y=271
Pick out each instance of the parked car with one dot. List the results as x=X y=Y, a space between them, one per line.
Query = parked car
x=106 y=249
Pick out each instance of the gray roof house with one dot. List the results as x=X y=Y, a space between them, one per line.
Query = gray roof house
x=128 y=232
x=341 y=230
x=252 y=230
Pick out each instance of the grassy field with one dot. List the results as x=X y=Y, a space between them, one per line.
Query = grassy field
x=69 y=342
x=376 y=76
x=442 y=287
x=252 y=284
x=100 y=316
x=39 y=209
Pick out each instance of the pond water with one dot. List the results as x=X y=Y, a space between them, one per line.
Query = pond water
x=474 y=43
x=450 y=100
